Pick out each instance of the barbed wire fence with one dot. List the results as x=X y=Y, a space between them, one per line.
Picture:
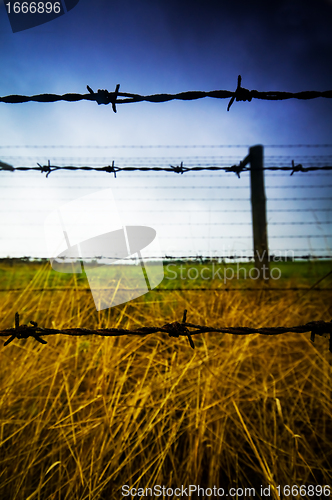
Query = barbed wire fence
x=242 y=166
x=179 y=169
x=174 y=329
x=26 y=331
x=117 y=97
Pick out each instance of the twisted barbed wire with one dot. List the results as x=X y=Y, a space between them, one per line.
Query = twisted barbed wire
x=174 y=329
x=178 y=169
x=103 y=96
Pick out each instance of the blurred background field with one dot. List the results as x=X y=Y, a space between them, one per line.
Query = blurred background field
x=82 y=416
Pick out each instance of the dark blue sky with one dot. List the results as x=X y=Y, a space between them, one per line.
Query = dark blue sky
x=172 y=46
x=154 y=46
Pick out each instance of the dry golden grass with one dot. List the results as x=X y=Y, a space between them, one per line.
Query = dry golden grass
x=80 y=417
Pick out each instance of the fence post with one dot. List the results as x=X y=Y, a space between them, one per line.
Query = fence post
x=258 y=210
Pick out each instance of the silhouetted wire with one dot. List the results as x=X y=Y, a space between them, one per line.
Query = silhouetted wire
x=114 y=98
x=174 y=329
x=179 y=169
x=159 y=176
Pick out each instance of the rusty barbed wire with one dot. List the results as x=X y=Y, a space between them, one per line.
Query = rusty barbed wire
x=103 y=96
x=174 y=329
x=178 y=169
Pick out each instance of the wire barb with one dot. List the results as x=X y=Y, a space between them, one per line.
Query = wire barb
x=179 y=169
x=46 y=168
x=297 y=168
x=176 y=329
x=237 y=169
x=105 y=97
x=240 y=94
x=111 y=169
x=25 y=331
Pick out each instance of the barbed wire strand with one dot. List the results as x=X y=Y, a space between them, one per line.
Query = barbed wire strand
x=174 y=329
x=103 y=96
x=179 y=169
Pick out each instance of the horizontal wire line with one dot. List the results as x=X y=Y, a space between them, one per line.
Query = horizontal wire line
x=194 y=224
x=235 y=237
x=117 y=97
x=174 y=329
x=214 y=176
x=177 y=169
x=320 y=186
x=159 y=146
x=198 y=199
x=124 y=146
x=207 y=211
x=223 y=237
